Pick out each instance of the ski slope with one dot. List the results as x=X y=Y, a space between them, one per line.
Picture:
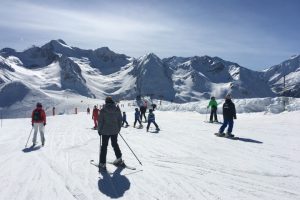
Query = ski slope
x=183 y=161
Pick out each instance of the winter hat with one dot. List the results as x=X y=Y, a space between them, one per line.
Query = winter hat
x=109 y=99
x=212 y=97
x=39 y=105
x=228 y=96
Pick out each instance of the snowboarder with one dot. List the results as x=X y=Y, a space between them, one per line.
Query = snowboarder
x=229 y=114
x=95 y=116
x=110 y=122
x=151 y=119
x=137 y=116
x=124 y=120
x=88 y=110
x=213 y=112
x=38 y=121
x=143 y=110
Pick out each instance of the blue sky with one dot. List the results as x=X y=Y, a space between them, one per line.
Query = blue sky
x=254 y=33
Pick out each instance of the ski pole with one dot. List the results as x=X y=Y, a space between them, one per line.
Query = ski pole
x=28 y=137
x=130 y=149
x=100 y=150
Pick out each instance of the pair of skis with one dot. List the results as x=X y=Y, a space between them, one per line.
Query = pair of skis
x=111 y=163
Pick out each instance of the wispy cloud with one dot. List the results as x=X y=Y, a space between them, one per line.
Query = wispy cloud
x=138 y=28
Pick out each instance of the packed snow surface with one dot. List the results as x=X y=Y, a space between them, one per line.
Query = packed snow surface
x=185 y=160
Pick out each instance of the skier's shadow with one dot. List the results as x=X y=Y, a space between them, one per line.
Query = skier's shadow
x=113 y=186
x=30 y=149
x=249 y=140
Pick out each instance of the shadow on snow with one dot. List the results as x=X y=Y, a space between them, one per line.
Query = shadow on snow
x=249 y=140
x=113 y=186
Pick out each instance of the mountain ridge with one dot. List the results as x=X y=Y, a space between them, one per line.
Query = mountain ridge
x=100 y=72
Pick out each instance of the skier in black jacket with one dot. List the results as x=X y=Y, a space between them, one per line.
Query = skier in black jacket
x=229 y=114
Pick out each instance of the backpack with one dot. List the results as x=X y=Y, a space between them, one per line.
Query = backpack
x=37 y=115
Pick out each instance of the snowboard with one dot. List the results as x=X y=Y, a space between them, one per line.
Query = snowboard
x=224 y=136
x=213 y=122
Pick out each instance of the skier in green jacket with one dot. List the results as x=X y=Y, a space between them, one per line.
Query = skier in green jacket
x=213 y=112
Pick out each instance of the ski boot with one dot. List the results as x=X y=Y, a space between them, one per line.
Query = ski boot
x=119 y=162
x=102 y=167
x=220 y=134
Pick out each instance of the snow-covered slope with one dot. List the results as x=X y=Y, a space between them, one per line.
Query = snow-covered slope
x=58 y=68
x=153 y=77
x=291 y=70
x=201 y=77
x=184 y=161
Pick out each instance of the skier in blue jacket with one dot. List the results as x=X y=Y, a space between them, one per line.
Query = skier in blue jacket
x=151 y=119
x=137 y=116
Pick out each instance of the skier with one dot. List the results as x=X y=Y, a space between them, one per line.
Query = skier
x=213 y=112
x=110 y=122
x=151 y=119
x=153 y=106
x=143 y=110
x=95 y=116
x=88 y=110
x=124 y=120
x=137 y=116
x=53 y=111
x=38 y=121
x=229 y=114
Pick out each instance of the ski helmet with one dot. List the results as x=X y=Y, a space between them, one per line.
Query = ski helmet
x=39 y=105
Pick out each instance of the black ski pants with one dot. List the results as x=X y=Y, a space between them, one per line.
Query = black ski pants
x=149 y=123
x=136 y=120
x=124 y=121
x=114 y=144
x=213 y=113
x=143 y=114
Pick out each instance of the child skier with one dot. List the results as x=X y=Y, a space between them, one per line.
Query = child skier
x=229 y=114
x=137 y=116
x=151 y=119
x=124 y=120
x=38 y=120
x=213 y=112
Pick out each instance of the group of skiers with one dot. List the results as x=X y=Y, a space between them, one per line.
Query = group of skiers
x=109 y=120
x=229 y=113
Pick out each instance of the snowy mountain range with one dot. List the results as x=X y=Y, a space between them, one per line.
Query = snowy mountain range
x=57 y=68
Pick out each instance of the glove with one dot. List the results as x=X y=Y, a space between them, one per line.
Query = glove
x=31 y=124
x=99 y=133
x=234 y=117
x=44 y=123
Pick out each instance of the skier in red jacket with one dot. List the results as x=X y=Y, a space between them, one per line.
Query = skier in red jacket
x=38 y=121
x=95 y=116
